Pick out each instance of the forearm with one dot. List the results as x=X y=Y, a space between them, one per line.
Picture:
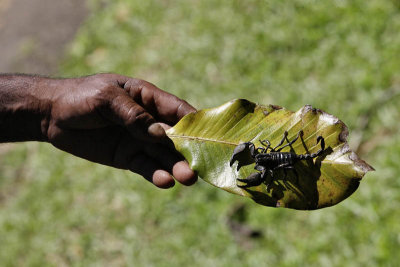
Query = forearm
x=24 y=108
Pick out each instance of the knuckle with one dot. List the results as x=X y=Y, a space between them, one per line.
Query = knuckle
x=135 y=86
x=134 y=83
x=111 y=79
x=136 y=114
x=105 y=94
x=184 y=107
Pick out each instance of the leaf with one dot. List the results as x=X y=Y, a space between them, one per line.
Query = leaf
x=208 y=137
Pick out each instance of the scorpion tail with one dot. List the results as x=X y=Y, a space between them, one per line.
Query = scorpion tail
x=321 y=140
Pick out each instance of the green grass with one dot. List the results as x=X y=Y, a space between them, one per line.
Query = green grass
x=340 y=56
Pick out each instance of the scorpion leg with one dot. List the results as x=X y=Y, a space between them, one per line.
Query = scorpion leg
x=300 y=133
x=287 y=166
x=260 y=150
x=321 y=140
x=284 y=175
x=284 y=179
x=285 y=134
x=267 y=145
x=294 y=171
x=270 y=180
x=283 y=166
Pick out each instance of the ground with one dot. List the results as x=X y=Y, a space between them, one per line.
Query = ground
x=34 y=36
x=35 y=33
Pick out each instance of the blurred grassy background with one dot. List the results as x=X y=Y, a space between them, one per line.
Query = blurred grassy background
x=340 y=56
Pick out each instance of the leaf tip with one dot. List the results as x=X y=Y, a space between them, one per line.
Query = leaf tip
x=364 y=166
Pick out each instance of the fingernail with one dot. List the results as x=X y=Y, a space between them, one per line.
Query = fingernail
x=156 y=130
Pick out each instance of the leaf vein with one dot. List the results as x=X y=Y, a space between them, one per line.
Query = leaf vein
x=202 y=139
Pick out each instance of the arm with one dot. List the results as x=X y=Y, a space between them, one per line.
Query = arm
x=23 y=108
x=105 y=118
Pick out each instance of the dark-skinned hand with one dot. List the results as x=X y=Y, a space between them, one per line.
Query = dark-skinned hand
x=113 y=120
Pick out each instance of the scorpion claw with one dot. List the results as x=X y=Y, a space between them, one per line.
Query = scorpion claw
x=253 y=179
x=243 y=154
x=237 y=151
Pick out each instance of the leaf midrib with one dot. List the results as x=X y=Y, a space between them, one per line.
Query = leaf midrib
x=201 y=139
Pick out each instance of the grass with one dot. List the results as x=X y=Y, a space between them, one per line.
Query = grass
x=340 y=56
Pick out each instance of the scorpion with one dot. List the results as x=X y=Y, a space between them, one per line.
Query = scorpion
x=269 y=162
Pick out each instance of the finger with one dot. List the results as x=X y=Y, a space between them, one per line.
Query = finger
x=151 y=171
x=124 y=111
x=104 y=146
x=166 y=107
x=163 y=179
x=183 y=173
x=129 y=154
x=153 y=97
x=156 y=130
x=165 y=126
x=173 y=162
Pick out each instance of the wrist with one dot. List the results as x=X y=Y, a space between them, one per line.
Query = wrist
x=25 y=105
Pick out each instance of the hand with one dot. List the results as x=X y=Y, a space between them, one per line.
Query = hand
x=120 y=122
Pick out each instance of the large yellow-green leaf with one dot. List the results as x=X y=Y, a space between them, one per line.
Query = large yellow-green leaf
x=208 y=137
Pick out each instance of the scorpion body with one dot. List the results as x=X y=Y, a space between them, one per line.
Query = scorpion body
x=269 y=162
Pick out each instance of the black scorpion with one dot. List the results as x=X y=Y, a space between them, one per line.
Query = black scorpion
x=269 y=162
